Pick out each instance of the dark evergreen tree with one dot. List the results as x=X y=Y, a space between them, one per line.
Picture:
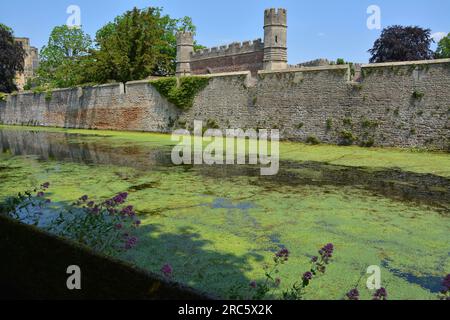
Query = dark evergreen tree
x=12 y=57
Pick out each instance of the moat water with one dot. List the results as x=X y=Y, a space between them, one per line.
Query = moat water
x=219 y=225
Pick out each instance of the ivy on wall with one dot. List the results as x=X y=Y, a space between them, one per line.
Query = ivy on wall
x=3 y=96
x=182 y=91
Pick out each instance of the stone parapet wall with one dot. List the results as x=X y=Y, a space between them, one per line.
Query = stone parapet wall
x=237 y=56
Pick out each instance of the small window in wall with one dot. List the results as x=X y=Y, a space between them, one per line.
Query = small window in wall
x=276 y=39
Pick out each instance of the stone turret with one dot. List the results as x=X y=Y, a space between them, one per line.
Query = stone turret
x=275 y=39
x=185 y=47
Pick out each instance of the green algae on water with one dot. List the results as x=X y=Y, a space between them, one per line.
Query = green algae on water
x=218 y=226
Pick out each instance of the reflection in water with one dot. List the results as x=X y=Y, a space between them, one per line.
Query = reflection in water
x=395 y=184
x=80 y=149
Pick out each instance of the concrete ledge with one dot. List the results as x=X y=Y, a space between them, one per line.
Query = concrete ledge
x=405 y=63
x=34 y=263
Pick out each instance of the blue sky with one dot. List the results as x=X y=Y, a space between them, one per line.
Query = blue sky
x=317 y=28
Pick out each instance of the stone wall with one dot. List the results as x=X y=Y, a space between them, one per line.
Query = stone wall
x=133 y=106
x=394 y=104
x=386 y=108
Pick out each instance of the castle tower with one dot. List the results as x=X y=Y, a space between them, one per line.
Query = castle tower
x=30 y=65
x=275 y=39
x=185 y=46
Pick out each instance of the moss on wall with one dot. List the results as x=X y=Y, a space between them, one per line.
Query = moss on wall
x=181 y=92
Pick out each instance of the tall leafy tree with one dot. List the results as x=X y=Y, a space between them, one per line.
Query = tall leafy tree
x=62 y=59
x=138 y=44
x=12 y=57
x=443 y=49
x=398 y=43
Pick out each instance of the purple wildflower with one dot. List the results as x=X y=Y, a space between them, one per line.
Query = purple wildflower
x=282 y=255
x=327 y=252
x=167 y=270
x=253 y=285
x=307 y=276
x=380 y=294
x=128 y=211
x=120 y=198
x=84 y=198
x=137 y=223
x=130 y=243
x=119 y=226
x=277 y=282
x=446 y=283
x=314 y=259
x=95 y=210
x=40 y=194
x=90 y=204
x=353 y=294
x=45 y=185
x=109 y=203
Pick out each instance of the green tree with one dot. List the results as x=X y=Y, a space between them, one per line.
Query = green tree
x=443 y=49
x=138 y=44
x=12 y=57
x=63 y=59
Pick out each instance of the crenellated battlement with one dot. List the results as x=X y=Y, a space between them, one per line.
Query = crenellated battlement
x=185 y=38
x=275 y=17
x=267 y=54
x=234 y=48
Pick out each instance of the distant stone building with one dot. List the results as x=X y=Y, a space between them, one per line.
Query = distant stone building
x=30 y=65
x=249 y=55
x=313 y=63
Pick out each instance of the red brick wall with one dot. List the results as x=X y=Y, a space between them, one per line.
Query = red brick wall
x=252 y=61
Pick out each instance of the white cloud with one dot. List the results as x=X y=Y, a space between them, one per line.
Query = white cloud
x=438 y=36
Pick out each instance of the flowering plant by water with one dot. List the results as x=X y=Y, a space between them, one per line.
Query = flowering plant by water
x=264 y=289
x=319 y=266
x=445 y=293
x=106 y=227
x=27 y=206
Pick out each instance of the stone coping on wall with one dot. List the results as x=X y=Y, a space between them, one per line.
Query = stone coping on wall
x=211 y=75
x=226 y=74
x=405 y=63
x=106 y=85
x=307 y=69
x=139 y=82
